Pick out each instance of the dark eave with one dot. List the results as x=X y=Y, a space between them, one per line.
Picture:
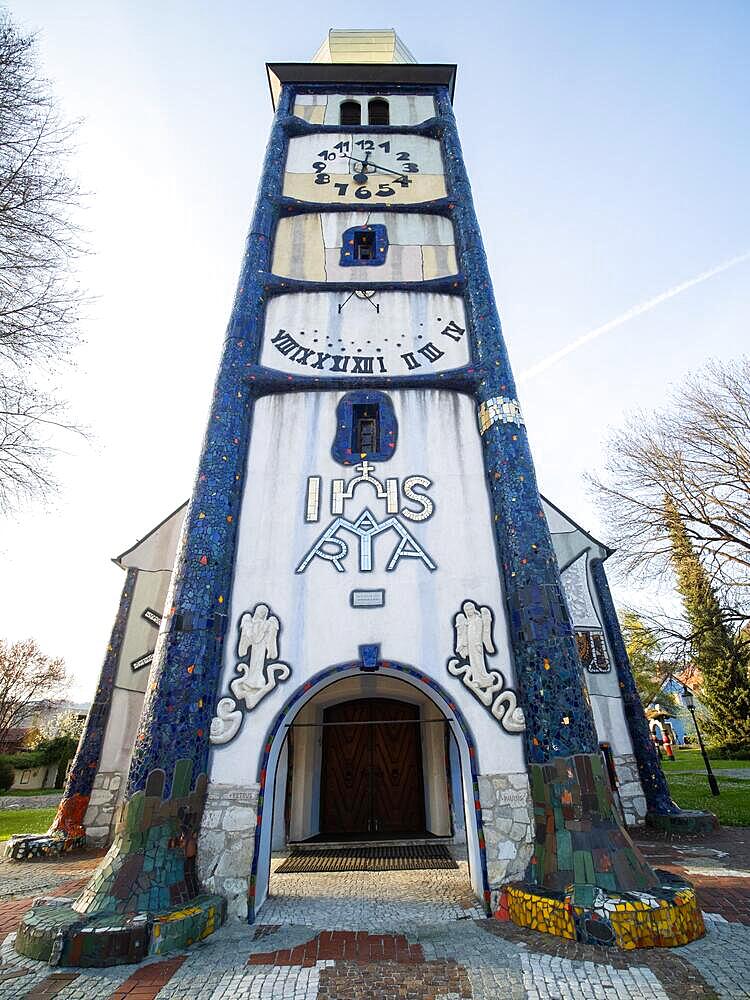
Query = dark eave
x=377 y=74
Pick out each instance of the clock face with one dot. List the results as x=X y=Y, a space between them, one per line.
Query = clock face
x=378 y=169
x=343 y=334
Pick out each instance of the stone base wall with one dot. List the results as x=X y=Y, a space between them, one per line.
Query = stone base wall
x=101 y=808
x=507 y=818
x=226 y=843
x=630 y=790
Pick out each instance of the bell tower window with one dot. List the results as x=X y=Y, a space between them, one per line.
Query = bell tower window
x=365 y=426
x=350 y=113
x=364 y=245
x=366 y=429
x=378 y=112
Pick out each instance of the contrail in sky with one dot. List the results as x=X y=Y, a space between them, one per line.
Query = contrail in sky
x=585 y=338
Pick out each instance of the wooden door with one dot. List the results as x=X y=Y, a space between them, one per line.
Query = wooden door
x=345 y=781
x=397 y=788
x=371 y=781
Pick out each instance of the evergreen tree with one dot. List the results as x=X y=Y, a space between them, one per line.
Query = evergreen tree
x=650 y=670
x=715 y=648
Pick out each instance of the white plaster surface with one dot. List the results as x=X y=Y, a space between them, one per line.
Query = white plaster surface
x=405 y=109
x=140 y=635
x=319 y=628
x=420 y=247
x=405 y=322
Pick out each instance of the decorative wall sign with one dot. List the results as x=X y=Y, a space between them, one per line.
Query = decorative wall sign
x=593 y=650
x=257 y=648
x=306 y=333
x=153 y=618
x=473 y=627
x=367 y=598
x=332 y=547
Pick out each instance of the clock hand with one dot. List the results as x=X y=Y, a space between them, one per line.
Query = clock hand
x=377 y=166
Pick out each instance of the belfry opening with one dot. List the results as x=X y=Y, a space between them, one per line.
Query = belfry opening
x=366 y=627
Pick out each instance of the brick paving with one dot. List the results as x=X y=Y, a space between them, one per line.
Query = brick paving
x=147 y=981
x=428 y=943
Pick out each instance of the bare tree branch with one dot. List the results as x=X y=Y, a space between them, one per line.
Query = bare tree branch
x=28 y=679
x=40 y=302
x=693 y=457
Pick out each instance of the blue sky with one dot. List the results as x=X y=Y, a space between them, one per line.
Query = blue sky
x=609 y=154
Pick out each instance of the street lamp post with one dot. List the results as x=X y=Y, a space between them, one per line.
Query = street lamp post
x=688 y=701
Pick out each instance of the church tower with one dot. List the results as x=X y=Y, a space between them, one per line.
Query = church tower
x=366 y=634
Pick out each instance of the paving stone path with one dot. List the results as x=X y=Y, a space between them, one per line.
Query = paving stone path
x=399 y=936
x=30 y=801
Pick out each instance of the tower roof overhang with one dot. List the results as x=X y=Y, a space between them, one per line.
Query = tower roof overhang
x=377 y=74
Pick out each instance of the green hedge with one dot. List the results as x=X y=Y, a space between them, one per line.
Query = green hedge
x=730 y=751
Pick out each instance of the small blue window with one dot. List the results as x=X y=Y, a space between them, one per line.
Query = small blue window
x=364 y=246
x=365 y=428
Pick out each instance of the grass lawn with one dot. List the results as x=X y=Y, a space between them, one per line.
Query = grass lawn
x=731 y=807
x=25 y=821
x=688 y=760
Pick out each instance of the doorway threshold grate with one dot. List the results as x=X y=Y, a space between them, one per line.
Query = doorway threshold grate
x=395 y=858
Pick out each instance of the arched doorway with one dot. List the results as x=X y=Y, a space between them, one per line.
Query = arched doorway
x=291 y=809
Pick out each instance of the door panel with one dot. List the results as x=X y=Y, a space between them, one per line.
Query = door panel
x=398 y=794
x=372 y=774
x=345 y=782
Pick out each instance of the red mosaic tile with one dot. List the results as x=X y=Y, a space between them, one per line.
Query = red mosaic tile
x=147 y=981
x=351 y=946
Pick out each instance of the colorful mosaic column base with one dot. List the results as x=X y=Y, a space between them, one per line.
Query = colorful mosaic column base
x=144 y=898
x=686 y=821
x=55 y=932
x=579 y=837
x=27 y=846
x=586 y=880
x=67 y=832
x=666 y=917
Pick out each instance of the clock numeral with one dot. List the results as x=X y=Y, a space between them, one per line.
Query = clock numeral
x=363 y=192
x=431 y=352
x=384 y=191
x=365 y=144
x=341 y=189
x=319 y=165
x=327 y=154
x=403 y=181
x=385 y=146
x=411 y=168
x=341 y=146
x=322 y=178
x=403 y=156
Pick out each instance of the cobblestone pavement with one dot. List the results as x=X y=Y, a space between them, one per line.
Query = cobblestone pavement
x=30 y=801
x=424 y=939
x=365 y=900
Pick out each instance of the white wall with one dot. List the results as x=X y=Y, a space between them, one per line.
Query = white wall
x=291 y=440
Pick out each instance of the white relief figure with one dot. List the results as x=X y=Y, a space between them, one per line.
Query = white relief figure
x=226 y=723
x=258 y=636
x=258 y=642
x=473 y=643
